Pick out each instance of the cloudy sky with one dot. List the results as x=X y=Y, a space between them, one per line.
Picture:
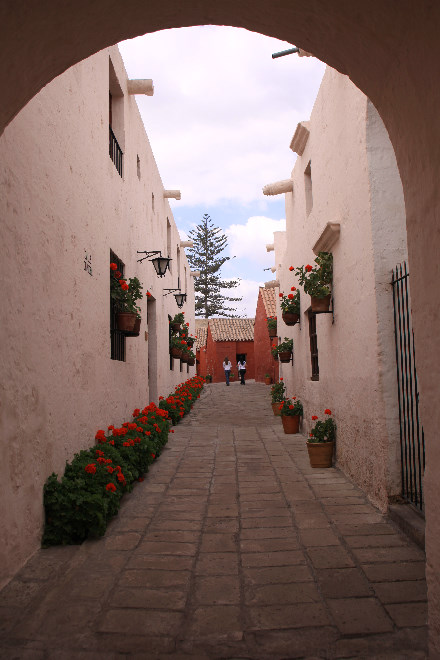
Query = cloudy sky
x=220 y=124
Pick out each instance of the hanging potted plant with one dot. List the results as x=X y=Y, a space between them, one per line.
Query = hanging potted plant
x=291 y=410
x=285 y=350
x=184 y=349
x=274 y=351
x=290 y=307
x=191 y=358
x=124 y=296
x=317 y=281
x=175 y=347
x=321 y=441
x=272 y=326
x=177 y=321
x=277 y=392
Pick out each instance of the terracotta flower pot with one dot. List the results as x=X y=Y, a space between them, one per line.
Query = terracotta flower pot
x=272 y=332
x=276 y=408
x=184 y=357
x=267 y=380
x=125 y=321
x=285 y=356
x=320 y=304
x=290 y=319
x=136 y=329
x=191 y=362
x=175 y=327
x=290 y=423
x=320 y=454
x=176 y=352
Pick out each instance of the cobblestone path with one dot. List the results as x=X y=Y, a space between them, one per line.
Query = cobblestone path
x=232 y=547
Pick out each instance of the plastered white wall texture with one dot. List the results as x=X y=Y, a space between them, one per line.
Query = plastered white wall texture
x=355 y=182
x=61 y=198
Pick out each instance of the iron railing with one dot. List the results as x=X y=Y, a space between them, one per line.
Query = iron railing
x=115 y=151
x=412 y=440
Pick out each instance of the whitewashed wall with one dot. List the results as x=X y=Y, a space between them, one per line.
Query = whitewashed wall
x=355 y=182
x=60 y=198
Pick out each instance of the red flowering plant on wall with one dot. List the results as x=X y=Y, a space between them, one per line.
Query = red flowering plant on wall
x=89 y=493
x=125 y=294
x=317 y=279
x=271 y=322
x=323 y=430
x=290 y=302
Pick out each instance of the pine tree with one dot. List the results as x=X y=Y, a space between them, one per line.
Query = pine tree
x=209 y=243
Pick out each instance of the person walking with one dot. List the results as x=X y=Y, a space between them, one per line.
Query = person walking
x=227 y=367
x=241 y=366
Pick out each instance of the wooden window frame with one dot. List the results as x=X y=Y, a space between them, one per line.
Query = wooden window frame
x=313 y=336
x=117 y=338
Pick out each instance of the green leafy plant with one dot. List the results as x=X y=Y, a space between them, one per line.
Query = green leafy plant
x=125 y=294
x=208 y=378
x=323 y=430
x=290 y=303
x=317 y=279
x=278 y=391
x=286 y=346
x=271 y=322
x=178 y=318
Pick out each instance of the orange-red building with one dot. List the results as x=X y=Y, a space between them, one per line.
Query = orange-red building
x=264 y=361
x=232 y=338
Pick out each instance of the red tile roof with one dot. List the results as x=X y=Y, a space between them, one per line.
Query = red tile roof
x=269 y=301
x=232 y=329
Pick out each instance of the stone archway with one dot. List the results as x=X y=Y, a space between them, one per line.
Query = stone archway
x=390 y=51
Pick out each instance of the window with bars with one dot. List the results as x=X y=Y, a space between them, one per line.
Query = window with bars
x=117 y=338
x=313 y=346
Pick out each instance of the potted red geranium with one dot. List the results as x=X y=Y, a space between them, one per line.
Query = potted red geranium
x=321 y=442
x=290 y=307
x=317 y=281
x=291 y=411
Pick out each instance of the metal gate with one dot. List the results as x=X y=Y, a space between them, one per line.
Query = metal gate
x=412 y=441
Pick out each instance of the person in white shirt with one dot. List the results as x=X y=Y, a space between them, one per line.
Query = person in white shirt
x=227 y=367
x=241 y=366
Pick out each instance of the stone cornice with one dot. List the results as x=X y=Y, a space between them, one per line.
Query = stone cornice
x=186 y=244
x=328 y=237
x=300 y=137
x=272 y=284
x=270 y=247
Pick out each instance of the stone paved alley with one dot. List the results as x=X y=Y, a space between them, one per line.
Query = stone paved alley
x=232 y=547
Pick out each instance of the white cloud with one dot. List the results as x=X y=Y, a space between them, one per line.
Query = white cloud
x=248 y=290
x=223 y=112
x=250 y=240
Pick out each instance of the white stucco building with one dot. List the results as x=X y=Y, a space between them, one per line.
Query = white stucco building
x=70 y=203
x=345 y=196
